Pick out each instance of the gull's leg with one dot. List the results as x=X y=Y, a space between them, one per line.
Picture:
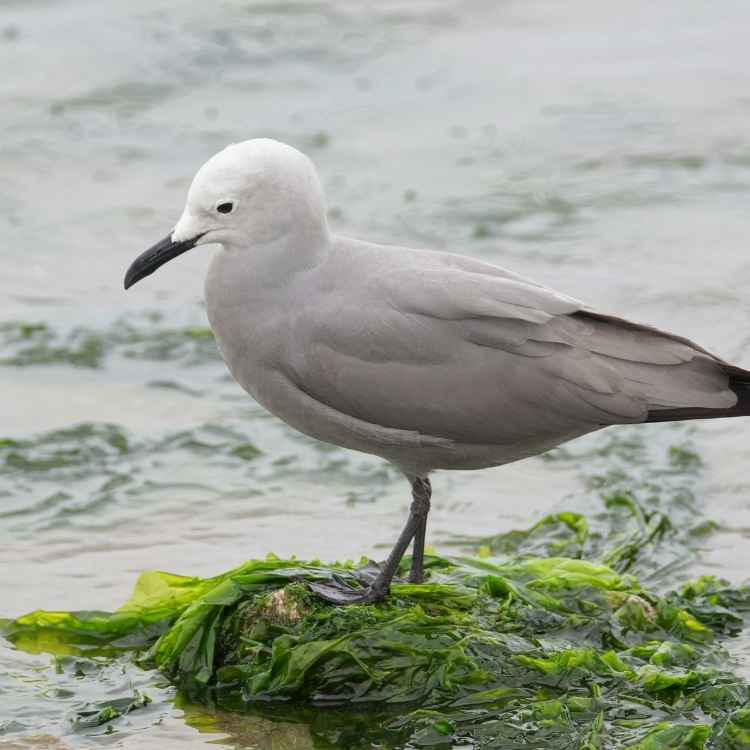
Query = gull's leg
x=420 y=486
x=338 y=593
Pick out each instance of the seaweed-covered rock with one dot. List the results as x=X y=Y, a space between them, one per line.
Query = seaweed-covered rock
x=568 y=636
x=554 y=652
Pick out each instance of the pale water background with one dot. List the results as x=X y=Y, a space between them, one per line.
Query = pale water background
x=603 y=149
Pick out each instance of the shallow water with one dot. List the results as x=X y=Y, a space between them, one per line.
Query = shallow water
x=605 y=152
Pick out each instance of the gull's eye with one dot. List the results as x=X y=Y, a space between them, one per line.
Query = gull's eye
x=225 y=208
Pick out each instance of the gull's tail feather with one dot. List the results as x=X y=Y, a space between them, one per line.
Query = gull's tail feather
x=739 y=382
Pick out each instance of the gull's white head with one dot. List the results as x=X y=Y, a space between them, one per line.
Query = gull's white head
x=250 y=194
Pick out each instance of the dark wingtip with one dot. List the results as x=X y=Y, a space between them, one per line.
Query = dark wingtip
x=739 y=382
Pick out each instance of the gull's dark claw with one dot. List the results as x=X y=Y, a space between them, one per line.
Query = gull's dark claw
x=339 y=593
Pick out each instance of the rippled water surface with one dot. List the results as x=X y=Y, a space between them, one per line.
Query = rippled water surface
x=602 y=150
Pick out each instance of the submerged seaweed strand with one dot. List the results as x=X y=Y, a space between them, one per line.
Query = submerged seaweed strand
x=33 y=344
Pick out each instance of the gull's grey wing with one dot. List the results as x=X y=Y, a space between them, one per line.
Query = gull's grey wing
x=457 y=349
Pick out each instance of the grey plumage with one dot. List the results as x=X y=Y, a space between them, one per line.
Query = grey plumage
x=430 y=360
x=465 y=365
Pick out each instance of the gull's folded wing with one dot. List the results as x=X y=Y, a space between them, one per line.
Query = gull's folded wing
x=455 y=348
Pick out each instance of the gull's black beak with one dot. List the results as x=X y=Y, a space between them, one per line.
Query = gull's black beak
x=162 y=252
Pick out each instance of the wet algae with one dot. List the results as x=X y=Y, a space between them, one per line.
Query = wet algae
x=560 y=636
x=29 y=344
x=527 y=652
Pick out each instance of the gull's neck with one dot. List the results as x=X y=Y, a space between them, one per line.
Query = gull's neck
x=276 y=260
x=264 y=273
x=251 y=291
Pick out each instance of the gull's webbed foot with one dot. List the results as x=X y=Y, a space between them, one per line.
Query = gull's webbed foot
x=339 y=593
x=376 y=578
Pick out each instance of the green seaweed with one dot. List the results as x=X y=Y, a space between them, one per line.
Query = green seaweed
x=70 y=448
x=650 y=521
x=104 y=712
x=82 y=449
x=502 y=652
x=25 y=344
x=573 y=634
